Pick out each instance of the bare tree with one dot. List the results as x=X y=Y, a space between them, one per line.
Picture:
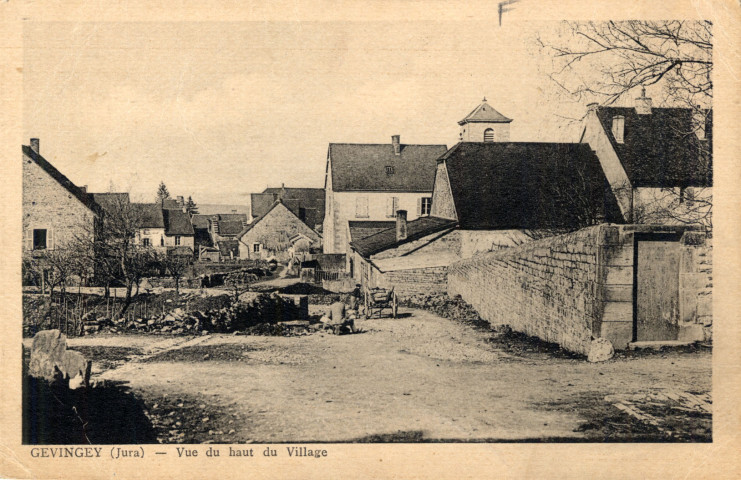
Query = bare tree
x=603 y=61
x=175 y=266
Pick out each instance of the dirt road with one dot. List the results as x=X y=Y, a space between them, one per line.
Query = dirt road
x=416 y=378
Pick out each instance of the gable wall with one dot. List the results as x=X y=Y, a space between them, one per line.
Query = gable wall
x=474 y=132
x=272 y=232
x=48 y=205
x=443 y=205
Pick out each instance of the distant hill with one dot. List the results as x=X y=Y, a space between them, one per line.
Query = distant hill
x=214 y=208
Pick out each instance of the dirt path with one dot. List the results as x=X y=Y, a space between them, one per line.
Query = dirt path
x=415 y=377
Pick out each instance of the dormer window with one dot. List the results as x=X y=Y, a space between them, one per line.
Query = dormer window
x=489 y=135
x=618 y=128
x=389 y=170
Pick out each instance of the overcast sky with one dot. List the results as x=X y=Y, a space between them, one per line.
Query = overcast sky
x=220 y=110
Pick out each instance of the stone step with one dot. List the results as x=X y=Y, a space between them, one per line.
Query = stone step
x=657 y=344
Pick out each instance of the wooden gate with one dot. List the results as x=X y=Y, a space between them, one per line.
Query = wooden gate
x=656 y=287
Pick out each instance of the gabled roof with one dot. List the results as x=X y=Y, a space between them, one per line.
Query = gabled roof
x=361 y=229
x=484 y=113
x=527 y=185
x=110 y=201
x=259 y=219
x=305 y=203
x=200 y=221
x=150 y=215
x=362 y=167
x=386 y=239
x=170 y=204
x=660 y=149
x=177 y=222
x=230 y=227
x=65 y=182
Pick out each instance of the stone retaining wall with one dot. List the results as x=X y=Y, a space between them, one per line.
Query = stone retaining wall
x=569 y=289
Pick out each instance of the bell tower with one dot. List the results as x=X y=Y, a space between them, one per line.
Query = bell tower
x=484 y=124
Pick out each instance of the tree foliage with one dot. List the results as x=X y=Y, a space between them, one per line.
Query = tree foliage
x=162 y=192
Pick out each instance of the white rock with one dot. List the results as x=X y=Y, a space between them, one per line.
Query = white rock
x=600 y=350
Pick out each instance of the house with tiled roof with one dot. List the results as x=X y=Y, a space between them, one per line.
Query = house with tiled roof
x=165 y=230
x=306 y=203
x=218 y=231
x=371 y=182
x=488 y=194
x=657 y=160
x=55 y=210
x=279 y=233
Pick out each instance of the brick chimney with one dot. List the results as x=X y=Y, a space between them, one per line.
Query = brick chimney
x=35 y=145
x=401 y=225
x=396 y=142
x=643 y=103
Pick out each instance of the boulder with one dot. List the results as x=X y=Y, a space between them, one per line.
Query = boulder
x=51 y=360
x=600 y=350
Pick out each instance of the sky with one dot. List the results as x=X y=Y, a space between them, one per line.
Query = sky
x=220 y=110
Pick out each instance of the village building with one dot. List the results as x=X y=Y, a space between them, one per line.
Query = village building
x=55 y=211
x=165 y=230
x=484 y=124
x=215 y=235
x=658 y=160
x=371 y=182
x=278 y=234
x=488 y=194
x=306 y=203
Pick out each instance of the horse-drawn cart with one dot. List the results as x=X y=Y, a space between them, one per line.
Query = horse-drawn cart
x=378 y=299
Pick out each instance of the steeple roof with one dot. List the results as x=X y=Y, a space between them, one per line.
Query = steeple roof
x=484 y=113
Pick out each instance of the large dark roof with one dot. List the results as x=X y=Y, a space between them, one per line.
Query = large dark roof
x=200 y=221
x=177 y=222
x=306 y=203
x=362 y=167
x=528 y=185
x=65 y=182
x=660 y=149
x=111 y=201
x=361 y=229
x=386 y=239
x=150 y=215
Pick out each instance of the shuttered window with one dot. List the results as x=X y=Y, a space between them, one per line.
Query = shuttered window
x=361 y=207
x=392 y=205
x=425 y=205
x=489 y=135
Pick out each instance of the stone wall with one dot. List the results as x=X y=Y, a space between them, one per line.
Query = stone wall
x=571 y=288
x=428 y=281
x=48 y=205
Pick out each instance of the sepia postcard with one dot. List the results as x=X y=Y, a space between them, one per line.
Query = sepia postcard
x=380 y=239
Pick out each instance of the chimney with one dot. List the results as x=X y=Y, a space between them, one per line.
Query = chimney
x=396 y=142
x=35 y=145
x=401 y=225
x=215 y=222
x=643 y=103
x=181 y=200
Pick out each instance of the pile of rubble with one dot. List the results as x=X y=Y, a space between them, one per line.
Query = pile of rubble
x=453 y=308
x=251 y=316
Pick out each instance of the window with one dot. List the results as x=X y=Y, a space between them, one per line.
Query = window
x=618 y=128
x=162 y=241
x=256 y=248
x=392 y=205
x=389 y=170
x=426 y=206
x=177 y=239
x=489 y=135
x=39 y=239
x=147 y=242
x=361 y=207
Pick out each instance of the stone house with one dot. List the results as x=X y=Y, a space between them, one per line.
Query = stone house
x=278 y=234
x=487 y=196
x=164 y=230
x=216 y=234
x=370 y=182
x=657 y=160
x=55 y=210
x=306 y=203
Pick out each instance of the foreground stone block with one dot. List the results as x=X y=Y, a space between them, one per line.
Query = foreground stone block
x=600 y=350
x=51 y=360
